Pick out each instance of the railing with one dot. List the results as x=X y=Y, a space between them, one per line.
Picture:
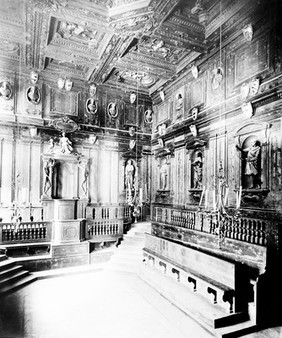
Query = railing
x=25 y=232
x=106 y=221
x=253 y=229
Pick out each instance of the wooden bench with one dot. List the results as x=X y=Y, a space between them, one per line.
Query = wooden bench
x=215 y=278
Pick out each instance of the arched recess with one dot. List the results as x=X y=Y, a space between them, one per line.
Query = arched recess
x=252 y=162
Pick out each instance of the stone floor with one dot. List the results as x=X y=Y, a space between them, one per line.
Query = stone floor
x=96 y=304
x=100 y=302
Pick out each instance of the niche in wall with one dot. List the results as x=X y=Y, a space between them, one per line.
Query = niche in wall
x=252 y=164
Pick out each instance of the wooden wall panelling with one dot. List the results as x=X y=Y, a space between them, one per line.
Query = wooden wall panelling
x=181 y=182
x=155 y=175
x=197 y=92
x=121 y=179
x=173 y=179
x=187 y=95
x=7 y=193
x=215 y=90
x=35 y=182
x=186 y=177
x=104 y=176
x=114 y=196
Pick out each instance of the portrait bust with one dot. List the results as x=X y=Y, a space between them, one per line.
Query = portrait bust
x=91 y=106
x=112 y=109
x=33 y=95
x=148 y=116
x=6 y=90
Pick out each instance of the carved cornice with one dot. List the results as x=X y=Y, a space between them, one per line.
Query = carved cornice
x=226 y=14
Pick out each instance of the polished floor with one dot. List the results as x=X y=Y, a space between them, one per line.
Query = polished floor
x=97 y=304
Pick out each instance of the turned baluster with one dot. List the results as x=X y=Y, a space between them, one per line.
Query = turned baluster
x=257 y=232
x=251 y=226
x=262 y=239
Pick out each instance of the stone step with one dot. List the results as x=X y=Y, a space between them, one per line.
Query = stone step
x=3 y=258
x=237 y=330
x=9 y=271
x=15 y=285
x=6 y=263
x=193 y=304
x=13 y=278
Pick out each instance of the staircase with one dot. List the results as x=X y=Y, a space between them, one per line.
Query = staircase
x=128 y=255
x=12 y=276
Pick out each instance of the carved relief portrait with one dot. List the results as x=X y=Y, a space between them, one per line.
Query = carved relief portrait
x=148 y=116
x=6 y=91
x=112 y=110
x=33 y=94
x=91 y=106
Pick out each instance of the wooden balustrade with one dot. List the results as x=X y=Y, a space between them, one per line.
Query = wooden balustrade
x=107 y=221
x=25 y=232
x=246 y=228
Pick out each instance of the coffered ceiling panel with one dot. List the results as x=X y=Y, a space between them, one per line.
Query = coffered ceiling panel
x=129 y=42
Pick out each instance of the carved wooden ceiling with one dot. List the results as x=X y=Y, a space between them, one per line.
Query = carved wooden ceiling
x=115 y=42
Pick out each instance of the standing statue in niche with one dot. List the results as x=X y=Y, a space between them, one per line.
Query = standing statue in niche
x=129 y=175
x=48 y=168
x=198 y=171
x=252 y=166
x=65 y=144
x=164 y=176
x=85 y=169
